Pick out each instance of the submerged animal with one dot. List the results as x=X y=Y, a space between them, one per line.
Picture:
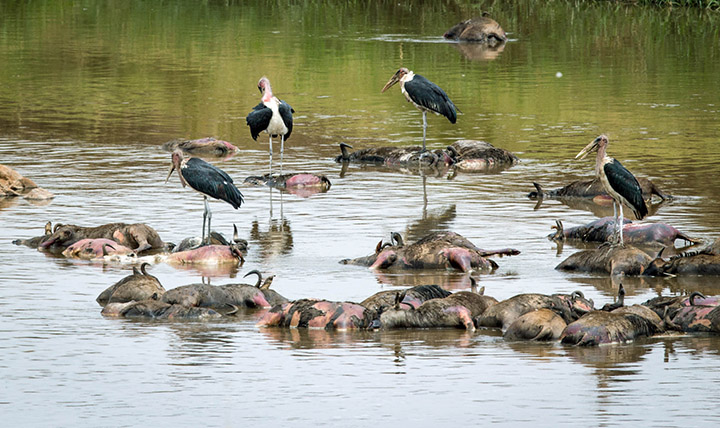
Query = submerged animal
x=319 y=314
x=568 y=306
x=482 y=29
x=202 y=147
x=98 y=248
x=703 y=262
x=621 y=325
x=593 y=188
x=154 y=309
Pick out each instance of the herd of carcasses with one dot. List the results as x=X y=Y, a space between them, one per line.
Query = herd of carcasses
x=570 y=318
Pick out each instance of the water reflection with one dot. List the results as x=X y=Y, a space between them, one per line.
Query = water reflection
x=479 y=51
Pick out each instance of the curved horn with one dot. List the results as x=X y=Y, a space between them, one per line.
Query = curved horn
x=577 y=293
x=236 y=238
x=57 y=226
x=259 y=275
x=397 y=239
x=143 y=267
x=136 y=271
x=379 y=247
x=234 y=309
x=693 y=295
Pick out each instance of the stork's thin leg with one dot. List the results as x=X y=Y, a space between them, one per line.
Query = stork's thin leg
x=282 y=147
x=614 y=208
x=424 y=127
x=208 y=213
x=205 y=212
x=620 y=228
x=271 y=155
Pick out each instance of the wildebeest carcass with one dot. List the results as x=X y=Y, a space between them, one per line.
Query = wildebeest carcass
x=139 y=237
x=568 y=306
x=138 y=286
x=320 y=314
x=593 y=188
x=621 y=325
x=457 y=310
x=439 y=250
x=208 y=146
x=703 y=262
x=228 y=297
x=479 y=156
x=411 y=298
x=603 y=229
x=301 y=184
x=613 y=260
x=154 y=309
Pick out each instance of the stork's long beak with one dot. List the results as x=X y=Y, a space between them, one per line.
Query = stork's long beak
x=172 y=168
x=393 y=80
x=594 y=144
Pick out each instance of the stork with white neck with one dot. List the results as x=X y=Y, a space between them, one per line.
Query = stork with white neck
x=273 y=116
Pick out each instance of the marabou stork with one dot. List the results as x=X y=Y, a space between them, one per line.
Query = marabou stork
x=424 y=94
x=273 y=116
x=618 y=182
x=206 y=179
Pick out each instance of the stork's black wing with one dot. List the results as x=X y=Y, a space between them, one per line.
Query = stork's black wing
x=259 y=119
x=626 y=185
x=429 y=95
x=286 y=114
x=212 y=181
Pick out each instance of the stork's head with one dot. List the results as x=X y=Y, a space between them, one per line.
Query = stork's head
x=177 y=158
x=396 y=78
x=595 y=145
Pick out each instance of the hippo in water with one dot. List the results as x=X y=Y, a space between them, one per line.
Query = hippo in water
x=319 y=314
x=593 y=189
x=154 y=309
x=703 y=262
x=568 y=306
x=202 y=147
x=439 y=250
x=482 y=29
x=613 y=260
x=603 y=230
x=227 y=296
x=457 y=310
x=140 y=237
x=138 y=286
x=301 y=184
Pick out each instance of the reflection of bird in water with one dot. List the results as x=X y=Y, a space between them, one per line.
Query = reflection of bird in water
x=276 y=241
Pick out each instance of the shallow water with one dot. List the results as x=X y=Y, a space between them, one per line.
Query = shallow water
x=91 y=89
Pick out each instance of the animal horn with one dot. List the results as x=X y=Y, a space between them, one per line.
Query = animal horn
x=143 y=267
x=234 y=309
x=57 y=226
x=577 y=293
x=259 y=275
x=379 y=247
x=236 y=238
x=692 y=297
x=136 y=271
x=48 y=228
x=539 y=189
x=397 y=239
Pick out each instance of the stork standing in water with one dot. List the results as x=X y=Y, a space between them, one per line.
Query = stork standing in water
x=424 y=94
x=206 y=179
x=618 y=182
x=273 y=116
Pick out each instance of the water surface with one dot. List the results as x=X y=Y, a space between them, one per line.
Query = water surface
x=91 y=89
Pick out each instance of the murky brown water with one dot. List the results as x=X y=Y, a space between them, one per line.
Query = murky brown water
x=89 y=90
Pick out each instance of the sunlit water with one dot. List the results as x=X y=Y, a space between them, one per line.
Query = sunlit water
x=89 y=91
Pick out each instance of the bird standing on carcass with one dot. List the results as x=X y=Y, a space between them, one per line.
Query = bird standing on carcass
x=619 y=183
x=424 y=94
x=207 y=180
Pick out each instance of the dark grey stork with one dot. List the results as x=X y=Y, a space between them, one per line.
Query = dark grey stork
x=618 y=182
x=424 y=94
x=206 y=179
x=273 y=116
